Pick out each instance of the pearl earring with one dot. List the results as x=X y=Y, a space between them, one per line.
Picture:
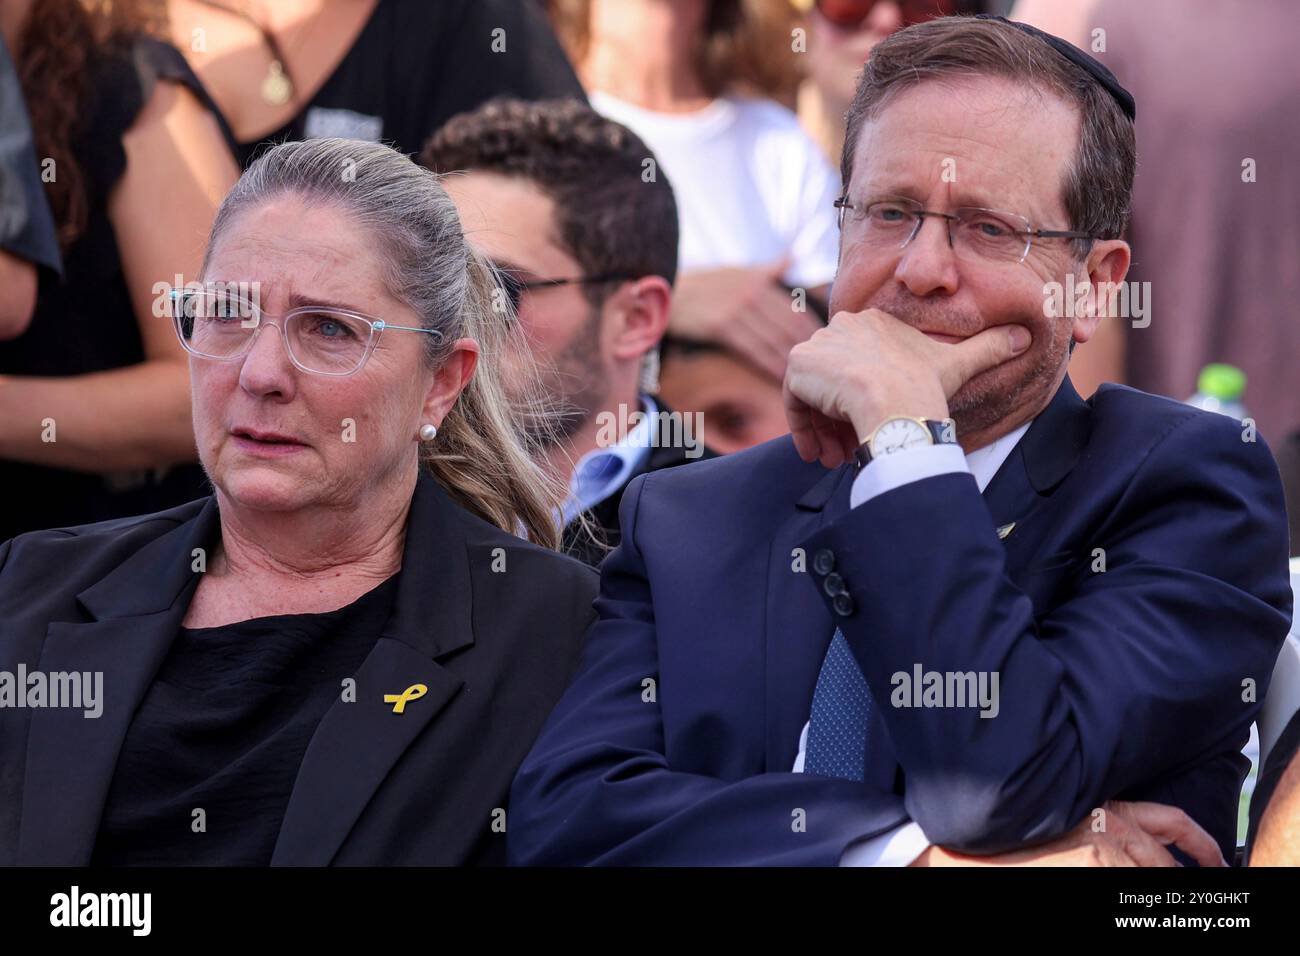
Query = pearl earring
x=428 y=432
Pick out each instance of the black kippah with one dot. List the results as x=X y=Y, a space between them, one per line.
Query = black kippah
x=1072 y=53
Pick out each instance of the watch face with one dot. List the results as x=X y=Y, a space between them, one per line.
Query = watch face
x=897 y=434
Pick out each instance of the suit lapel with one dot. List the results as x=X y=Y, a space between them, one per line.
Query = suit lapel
x=1044 y=456
x=135 y=612
x=358 y=742
x=355 y=746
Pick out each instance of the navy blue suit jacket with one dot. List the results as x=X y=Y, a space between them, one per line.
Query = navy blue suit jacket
x=674 y=742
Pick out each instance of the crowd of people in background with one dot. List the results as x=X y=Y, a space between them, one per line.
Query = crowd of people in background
x=155 y=105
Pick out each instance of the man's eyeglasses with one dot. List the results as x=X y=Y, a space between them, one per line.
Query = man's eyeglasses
x=983 y=235
x=515 y=285
x=221 y=326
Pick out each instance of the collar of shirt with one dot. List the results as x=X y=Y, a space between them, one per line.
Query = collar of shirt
x=602 y=471
x=985 y=462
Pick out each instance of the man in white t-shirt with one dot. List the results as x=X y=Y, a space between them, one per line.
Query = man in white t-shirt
x=755 y=197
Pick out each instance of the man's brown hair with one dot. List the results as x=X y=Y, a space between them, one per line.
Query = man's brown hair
x=614 y=208
x=1099 y=183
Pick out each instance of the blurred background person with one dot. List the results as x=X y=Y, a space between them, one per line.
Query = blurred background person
x=1219 y=235
x=695 y=79
x=552 y=193
x=94 y=394
x=386 y=559
x=1213 y=205
x=740 y=402
x=390 y=70
x=840 y=36
x=27 y=238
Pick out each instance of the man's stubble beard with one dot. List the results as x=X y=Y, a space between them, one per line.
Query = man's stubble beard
x=574 y=384
x=983 y=402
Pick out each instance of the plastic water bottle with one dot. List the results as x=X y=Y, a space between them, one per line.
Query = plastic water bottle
x=1219 y=388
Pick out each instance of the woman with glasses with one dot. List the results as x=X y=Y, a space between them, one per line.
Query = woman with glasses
x=341 y=655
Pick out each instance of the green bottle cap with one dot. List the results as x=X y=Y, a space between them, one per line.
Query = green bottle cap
x=1227 y=383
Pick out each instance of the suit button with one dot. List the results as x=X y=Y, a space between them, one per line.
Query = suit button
x=843 y=605
x=834 y=584
x=824 y=561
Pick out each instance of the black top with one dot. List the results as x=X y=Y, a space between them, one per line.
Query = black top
x=416 y=64
x=223 y=728
x=85 y=322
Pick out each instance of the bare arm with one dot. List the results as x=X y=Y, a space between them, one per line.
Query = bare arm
x=178 y=168
x=1278 y=841
x=18 y=279
x=746 y=310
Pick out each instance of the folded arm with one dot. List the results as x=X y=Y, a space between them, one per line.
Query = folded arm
x=1142 y=669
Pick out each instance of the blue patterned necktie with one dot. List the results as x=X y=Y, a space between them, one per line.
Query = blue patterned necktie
x=841 y=709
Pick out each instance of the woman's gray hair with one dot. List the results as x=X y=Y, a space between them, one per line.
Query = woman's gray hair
x=485 y=452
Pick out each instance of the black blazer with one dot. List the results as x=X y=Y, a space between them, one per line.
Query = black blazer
x=488 y=622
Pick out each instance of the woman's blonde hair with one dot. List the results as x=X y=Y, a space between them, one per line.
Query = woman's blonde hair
x=485 y=454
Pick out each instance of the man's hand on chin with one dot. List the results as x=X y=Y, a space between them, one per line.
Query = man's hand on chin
x=865 y=367
x=1134 y=834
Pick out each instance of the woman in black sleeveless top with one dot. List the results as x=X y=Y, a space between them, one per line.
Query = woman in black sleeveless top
x=94 y=417
x=382 y=70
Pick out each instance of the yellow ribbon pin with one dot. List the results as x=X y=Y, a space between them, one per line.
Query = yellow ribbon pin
x=399 y=701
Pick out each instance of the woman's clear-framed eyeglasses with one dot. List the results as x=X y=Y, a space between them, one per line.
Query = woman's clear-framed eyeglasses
x=221 y=326
x=985 y=235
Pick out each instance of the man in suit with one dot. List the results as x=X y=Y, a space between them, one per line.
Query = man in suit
x=960 y=609
x=558 y=198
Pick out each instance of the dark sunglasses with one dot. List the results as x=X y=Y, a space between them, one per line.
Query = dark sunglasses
x=851 y=14
x=514 y=285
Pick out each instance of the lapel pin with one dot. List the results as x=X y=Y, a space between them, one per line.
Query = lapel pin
x=399 y=701
x=1005 y=530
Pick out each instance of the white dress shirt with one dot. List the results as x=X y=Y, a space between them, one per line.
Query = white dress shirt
x=906 y=842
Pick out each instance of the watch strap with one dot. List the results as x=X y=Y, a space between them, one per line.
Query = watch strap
x=943 y=431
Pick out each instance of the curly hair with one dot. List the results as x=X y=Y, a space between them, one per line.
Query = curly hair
x=58 y=46
x=596 y=171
